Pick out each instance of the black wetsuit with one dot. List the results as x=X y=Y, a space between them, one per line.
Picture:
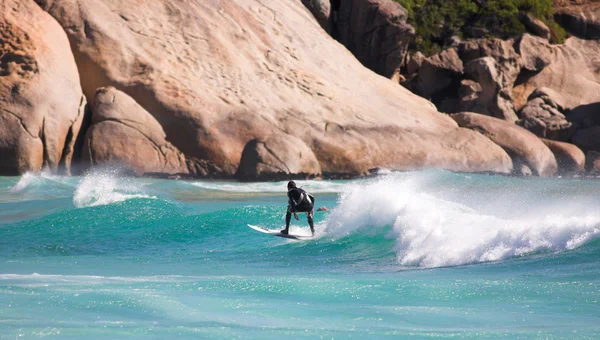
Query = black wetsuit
x=299 y=201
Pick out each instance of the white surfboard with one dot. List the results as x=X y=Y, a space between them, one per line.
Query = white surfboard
x=279 y=234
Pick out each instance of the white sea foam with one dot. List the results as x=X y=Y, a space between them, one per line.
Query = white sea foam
x=26 y=180
x=30 y=179
x=105 y=187
x=432 y=232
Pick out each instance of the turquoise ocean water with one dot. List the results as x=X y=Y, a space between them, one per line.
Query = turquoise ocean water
x=412 y=255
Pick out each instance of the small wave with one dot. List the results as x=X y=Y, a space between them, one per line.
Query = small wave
x=35 y=278
x=29 y=180
x=433 y=232
x=102 y=188
x=26 y=180
x=271 y=187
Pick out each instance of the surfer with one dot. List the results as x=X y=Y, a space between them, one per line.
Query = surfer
x=299 y=201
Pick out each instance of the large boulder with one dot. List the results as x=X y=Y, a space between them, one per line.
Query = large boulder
x=41 y=103
x=470 y=93
x=494 y=98
x=571 y=72
x=588 y=139
x=535 y=26
x=278 y=155
x=524 y=147
x=583 y=21
x=376 y=32
x=214 y=87
x=569 y=158
x=122 y=133
x=535 y=52
x=585 y=116
x=495 y=65
x=414 y=63
x=394 y=145
x=502 y=51
x=437 y=73
x=542 y=116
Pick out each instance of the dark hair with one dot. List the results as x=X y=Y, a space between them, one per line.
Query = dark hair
x=291 y=184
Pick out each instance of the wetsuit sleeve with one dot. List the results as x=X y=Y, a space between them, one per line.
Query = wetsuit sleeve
x=291 y=202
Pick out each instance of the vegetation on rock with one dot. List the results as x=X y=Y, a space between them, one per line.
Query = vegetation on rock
x=436 y=21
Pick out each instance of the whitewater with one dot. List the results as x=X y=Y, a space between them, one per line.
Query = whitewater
x=423 y=255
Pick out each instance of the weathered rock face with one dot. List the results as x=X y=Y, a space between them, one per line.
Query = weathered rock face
x=569 y=158
x=321 y=10
x=535 y=26
x=572 y=73
x=588 y=139
x=545 y=121
x=414 y=63
x=41 y=103
x=535 y=52
x=437 y=73
x=376 y=32
x=213 y=88
x=469 y=95
x=476 y=76
x=585 y=116
x=583 y=22
x=542 y=116
x=569 y=86
x=593 y=163
x=123 y=133
x=275 y=156
x=523 y=146
x=495 y=65
x=494 y=99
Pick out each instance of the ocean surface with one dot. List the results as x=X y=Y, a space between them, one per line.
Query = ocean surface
x=419 y=255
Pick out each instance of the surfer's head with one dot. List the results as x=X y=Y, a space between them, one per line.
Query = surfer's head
x=291 y=185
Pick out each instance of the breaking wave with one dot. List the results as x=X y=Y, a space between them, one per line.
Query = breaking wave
x=431 y=231
x=106 y=187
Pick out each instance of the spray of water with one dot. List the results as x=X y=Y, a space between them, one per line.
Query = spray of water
x=106 y=187
x=432 y=231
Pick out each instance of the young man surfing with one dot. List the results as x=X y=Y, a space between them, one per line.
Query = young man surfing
x=299 y=201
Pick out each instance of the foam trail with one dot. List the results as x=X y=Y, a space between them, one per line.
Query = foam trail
x=102 y=188
x=432 y=232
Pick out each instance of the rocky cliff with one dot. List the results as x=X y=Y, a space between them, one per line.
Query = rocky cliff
x=533 y=80
x=193 y=87
x=255 y=89
x=41 y=102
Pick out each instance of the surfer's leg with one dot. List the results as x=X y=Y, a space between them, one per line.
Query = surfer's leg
x=288 y=218
x=310 y=223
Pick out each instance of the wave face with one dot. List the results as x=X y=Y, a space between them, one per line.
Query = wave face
x=431 y=230
x=404 y=255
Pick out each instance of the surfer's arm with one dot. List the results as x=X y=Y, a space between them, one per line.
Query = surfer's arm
x=292 y=204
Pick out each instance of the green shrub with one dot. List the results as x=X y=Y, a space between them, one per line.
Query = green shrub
x=437 y=20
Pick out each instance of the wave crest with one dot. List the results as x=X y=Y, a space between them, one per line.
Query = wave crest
x=431 y=232
x=106 y=187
